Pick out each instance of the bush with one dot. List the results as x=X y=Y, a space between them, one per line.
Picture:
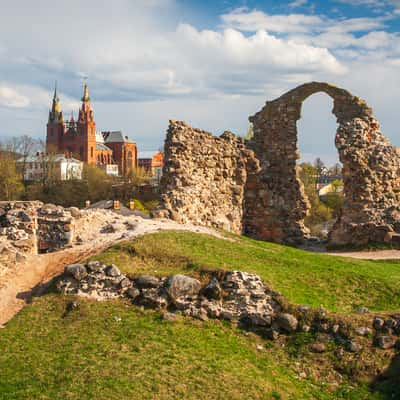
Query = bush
x=140 y=207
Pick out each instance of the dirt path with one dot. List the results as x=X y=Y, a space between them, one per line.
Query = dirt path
x=19 y=284
x=370 y=255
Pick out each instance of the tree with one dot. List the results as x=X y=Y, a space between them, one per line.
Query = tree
x=99 y=184
x=11 y=186
x=336 y=170
x=23 y=146
x=250 y=132
x=319 y=167
x=308 y=175
x=134 y=178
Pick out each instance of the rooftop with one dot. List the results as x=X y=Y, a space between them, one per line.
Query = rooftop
x=116 y=137
x=51 y=157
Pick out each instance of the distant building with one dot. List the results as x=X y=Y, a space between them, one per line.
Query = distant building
x=81 y=140
x=153 y=164
x=330 y=188
x=61 y=167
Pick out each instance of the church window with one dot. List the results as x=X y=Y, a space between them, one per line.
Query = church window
x=91 y=152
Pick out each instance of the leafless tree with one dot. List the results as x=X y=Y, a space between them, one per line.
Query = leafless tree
x=23 y=147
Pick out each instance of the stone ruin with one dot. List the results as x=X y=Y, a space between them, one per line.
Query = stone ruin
x=31 y=227
x=253 y=187
x=235 y=296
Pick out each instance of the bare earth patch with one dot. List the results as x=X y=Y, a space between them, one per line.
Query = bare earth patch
x=95 y=231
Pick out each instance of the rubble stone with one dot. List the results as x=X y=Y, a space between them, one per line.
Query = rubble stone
x=182 y=286
x=385 y=342
x=254 y=187
x=286 y=322
x=77 y=271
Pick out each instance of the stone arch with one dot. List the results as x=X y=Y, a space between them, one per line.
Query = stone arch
x=275 y=203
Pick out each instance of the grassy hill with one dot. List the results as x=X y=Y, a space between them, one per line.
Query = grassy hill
x=339 y=284
x=113 y=350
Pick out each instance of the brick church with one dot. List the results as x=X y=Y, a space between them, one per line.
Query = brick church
x=112 y=151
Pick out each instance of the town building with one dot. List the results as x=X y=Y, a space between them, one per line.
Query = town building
x=59 y=166
x=153 y=164
x=110 y=151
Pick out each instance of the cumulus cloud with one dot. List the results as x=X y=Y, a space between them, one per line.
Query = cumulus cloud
x=297 y=3
x=254 y=20
x=145 y=65
x=10 y=97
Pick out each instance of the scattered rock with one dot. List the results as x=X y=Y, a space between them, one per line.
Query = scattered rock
x=286 y=322
x=182 y=286
x=317 y=347
x=378 y=323
x=77 y=271
x=362 y=331
x=112 y=270
x=385 y=342
x=353 y=347
x=147 y=281
x=133 y=292
x=75 y=212
x=168 y=316
x=95 y=266
x=213 y=290
x=109 y=228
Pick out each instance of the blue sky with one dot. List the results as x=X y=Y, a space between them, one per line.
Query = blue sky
x=211 y=63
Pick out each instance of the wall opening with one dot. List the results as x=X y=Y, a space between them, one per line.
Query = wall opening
x=319 y=167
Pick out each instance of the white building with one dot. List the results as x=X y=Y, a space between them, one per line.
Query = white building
x=109 y=169
x=61 y=167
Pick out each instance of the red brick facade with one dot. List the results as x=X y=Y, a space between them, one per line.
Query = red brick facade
x=81 y=140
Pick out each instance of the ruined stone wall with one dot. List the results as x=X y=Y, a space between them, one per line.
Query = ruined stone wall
x=276 y=203
x=55 y=228
x=204 y=177
x=30 y=227
x=255 y=188
x=18 y=225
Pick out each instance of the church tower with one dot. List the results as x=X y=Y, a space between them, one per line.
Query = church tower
x=55 y=126
x=86 y=130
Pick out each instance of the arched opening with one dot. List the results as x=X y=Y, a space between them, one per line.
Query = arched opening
x=318 y=166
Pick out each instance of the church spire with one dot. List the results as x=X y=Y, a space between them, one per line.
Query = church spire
x=85 y=93
x=55 y=97
x=56 y=114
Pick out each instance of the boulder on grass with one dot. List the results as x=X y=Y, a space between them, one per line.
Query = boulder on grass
x=77 y=271
x=286 y=322
x=182 y=286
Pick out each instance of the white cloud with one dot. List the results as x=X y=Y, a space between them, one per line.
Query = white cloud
x=251 y=21
x=363 y=2
x=297 y=3
x=145 y=67
x=231 y=48
x=10 y=97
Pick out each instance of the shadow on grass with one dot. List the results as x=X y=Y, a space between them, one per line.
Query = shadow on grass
x=39 y=290
x=387 y=384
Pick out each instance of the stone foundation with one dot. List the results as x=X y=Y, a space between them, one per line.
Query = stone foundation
x=254 y=187
x=28 y=228
x=236 y=296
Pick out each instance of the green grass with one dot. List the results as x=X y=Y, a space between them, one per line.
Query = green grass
x=339 y=284
x=112 y=350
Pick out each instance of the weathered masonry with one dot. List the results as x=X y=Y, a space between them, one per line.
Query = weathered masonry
x=29 y=228
x=254 y=187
